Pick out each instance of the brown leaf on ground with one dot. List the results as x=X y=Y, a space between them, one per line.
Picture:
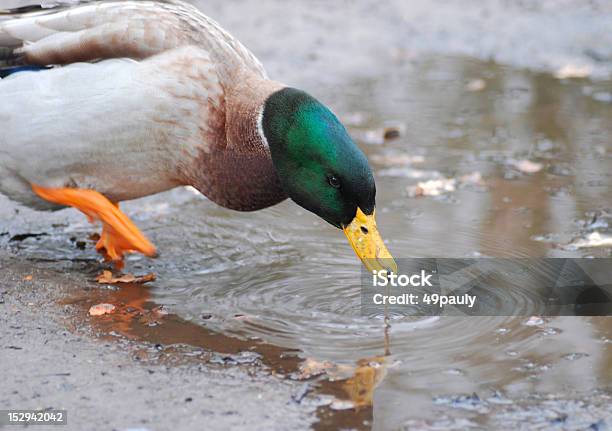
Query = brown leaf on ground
x=28 y=278
x=101 y=309
x=107 y=278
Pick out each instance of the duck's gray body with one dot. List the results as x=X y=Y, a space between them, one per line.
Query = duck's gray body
x=150 y=95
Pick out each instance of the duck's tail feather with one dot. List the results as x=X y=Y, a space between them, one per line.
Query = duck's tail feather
x=14 y=7
x=87 y=30
x=15 y=11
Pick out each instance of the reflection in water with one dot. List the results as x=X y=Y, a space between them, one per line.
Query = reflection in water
x=273 y=268
x=368 y=375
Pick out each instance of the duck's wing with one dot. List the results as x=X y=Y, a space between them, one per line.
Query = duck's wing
x=116 y=29
x=122 y=127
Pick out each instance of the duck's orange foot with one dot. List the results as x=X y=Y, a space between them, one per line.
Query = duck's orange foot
x=119 y=234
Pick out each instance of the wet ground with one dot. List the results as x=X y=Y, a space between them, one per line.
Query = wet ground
x=51 y=356
x=479 y=159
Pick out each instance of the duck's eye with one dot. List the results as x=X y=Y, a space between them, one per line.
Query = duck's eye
x=334 y=181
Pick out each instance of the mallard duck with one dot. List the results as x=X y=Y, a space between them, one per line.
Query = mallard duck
x=115 y=100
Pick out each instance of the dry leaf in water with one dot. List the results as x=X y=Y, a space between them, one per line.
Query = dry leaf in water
x=441 y=186
x=107 y=278
x=311 y=368
x=101 y=309
x=433 y=187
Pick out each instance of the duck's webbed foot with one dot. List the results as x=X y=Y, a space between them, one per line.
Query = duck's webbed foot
x=119 y=234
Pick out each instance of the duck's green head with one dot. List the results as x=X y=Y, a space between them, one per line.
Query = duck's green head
x=322 y=170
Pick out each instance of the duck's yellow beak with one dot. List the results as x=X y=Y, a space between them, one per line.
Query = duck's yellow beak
x=367 y=243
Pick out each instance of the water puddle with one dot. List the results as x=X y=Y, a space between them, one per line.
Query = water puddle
x=344 y=394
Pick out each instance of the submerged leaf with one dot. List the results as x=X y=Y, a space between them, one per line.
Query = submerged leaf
x=107 y=278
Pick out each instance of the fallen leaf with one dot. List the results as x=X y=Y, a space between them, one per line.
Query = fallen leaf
x=101 y=309
x=527 y=166
x=391 y=132
x=433 y=187
x=107 y=278
x=573 y=71
x=28 y=278
x=161 y=310
x=476 y=85
x=311 y=368
x=594 y=239
x=437 y=187
x=534 y=321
